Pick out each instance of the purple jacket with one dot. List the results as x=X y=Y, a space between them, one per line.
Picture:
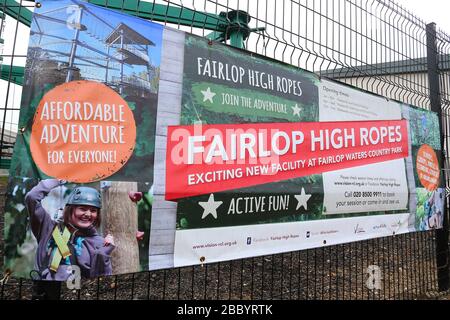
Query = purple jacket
x=92 y=256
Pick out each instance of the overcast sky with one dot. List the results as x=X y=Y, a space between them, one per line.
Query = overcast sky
x=431 y=11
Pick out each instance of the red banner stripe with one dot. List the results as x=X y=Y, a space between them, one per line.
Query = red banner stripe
x=204 y=159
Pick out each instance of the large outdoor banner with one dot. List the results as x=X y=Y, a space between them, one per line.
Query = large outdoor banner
x=142 y=147
x=269 y=159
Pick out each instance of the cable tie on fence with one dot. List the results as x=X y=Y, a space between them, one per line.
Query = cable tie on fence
x=202 y=260
x=6 y=277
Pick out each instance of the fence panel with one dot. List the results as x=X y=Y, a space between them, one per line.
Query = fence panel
x=374 y=45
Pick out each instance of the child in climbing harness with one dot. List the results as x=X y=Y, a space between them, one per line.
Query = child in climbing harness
x=72 y=240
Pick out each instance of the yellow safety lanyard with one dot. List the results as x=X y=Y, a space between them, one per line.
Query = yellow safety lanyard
x=62 y=251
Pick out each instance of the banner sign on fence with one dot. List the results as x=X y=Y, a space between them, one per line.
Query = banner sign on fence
x=269 y=159
x=142 y=147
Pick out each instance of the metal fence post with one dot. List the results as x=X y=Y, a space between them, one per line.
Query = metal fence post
x=442 y=251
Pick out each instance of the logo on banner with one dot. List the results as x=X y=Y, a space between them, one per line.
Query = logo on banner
x=380 y=226
x=83 y=131
x=321 y=233
x=359 y=230
x=396 y=225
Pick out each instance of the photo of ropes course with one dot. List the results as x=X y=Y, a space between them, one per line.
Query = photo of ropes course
x=71 y=38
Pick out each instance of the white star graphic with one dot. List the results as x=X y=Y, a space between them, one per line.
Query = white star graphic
x=296 y=110
x=208 y=95
x=210 y=207
x=302 y=200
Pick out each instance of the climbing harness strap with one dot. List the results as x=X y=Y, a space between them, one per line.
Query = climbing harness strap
x=62 y=250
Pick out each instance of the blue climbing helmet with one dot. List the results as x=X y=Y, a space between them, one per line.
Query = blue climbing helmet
x=85 y=196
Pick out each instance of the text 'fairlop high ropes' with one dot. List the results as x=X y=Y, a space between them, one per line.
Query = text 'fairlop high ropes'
x=252 y=154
